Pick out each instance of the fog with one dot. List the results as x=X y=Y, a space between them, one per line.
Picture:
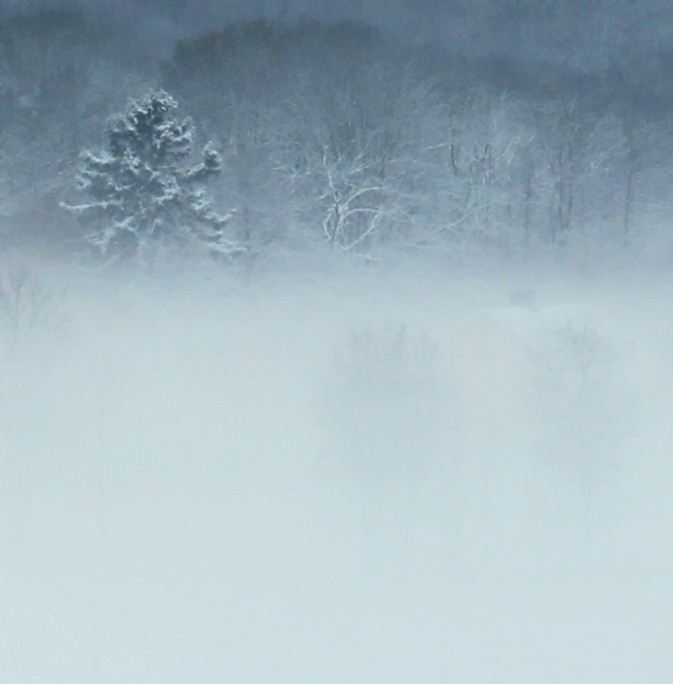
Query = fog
x=335 y=342
x=366 y=476
x=588 y=37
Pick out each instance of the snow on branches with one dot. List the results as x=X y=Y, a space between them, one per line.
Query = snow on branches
x=144 y=194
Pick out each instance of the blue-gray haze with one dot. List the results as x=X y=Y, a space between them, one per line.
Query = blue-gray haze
x=401 y=410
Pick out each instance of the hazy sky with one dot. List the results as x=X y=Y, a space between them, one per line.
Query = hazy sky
x=584 y=35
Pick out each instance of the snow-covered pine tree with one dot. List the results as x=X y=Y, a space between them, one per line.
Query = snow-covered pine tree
x=144 y=192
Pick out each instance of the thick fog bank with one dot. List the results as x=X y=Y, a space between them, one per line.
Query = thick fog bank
x=348 y=479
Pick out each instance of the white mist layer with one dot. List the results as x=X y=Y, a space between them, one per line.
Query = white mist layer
x=363 y=481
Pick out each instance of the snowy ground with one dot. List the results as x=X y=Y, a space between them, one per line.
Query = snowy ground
x=363 y=481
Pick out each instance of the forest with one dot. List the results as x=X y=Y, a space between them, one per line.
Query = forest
x=345 y=138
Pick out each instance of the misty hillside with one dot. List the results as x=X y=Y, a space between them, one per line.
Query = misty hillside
x=354 y=128
x=335 y=342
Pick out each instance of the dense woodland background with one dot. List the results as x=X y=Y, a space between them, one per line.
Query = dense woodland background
x=509 y=131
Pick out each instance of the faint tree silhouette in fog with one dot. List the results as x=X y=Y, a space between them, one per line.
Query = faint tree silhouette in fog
x=33 y=319
x=387 y=395
x=576 y=400
x=28 y=309
x=385 y=413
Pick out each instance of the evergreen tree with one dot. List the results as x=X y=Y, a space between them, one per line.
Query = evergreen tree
x=145 y=193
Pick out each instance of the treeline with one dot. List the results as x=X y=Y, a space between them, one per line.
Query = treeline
x=335 y=136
